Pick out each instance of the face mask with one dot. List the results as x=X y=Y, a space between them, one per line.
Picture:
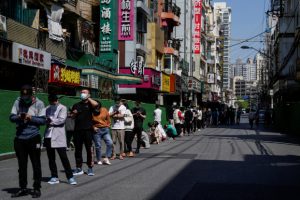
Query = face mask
x=84 y=96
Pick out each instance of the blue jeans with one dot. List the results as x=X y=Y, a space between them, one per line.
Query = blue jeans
x=103 y=133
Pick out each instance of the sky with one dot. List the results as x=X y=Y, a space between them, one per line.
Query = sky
x=247 y=20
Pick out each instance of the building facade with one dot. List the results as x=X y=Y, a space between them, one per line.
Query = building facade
x=225 y=16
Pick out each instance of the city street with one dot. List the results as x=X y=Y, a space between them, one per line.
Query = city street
x=216 y=163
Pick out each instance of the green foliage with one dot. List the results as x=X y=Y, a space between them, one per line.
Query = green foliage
x=242 y=103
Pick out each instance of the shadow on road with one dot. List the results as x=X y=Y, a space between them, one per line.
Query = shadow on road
x=257 y=177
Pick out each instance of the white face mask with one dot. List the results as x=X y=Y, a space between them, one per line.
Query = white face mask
x=84 y=96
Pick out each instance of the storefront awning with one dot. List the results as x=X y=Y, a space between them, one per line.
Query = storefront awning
x=118 y=78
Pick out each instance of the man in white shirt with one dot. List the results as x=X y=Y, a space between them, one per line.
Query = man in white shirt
x=157 y=114
x=117 y=112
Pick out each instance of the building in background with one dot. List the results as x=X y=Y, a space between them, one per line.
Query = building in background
x=225 y=16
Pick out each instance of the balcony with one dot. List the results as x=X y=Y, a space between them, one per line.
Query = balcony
x=172 y=47
x=170 y=14
x=34 y=38
x=143 y=7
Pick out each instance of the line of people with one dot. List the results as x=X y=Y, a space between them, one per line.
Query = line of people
x=92 y=124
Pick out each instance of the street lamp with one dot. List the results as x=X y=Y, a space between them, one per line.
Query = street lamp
x=269 y=59
x=247 y=47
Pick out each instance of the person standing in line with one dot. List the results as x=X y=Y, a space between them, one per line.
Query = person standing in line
x=199 y=119
x=70 y=126
x=83 y=112
x=157 y=114
x=177 y=116
x=188 y=119
x=55 y=139
x=28 y=112
x=139 y=115
x=101 y=121
x=117 y=112
x=195 y=115
x=129 y=125
x=238 y=116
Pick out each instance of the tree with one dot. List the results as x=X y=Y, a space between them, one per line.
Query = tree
x=242 y=103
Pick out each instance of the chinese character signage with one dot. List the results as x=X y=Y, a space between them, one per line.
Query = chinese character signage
x=165 y=82
x=126 y=19
x=65 y=75
x=197 y=26
x=30 y=56
x=137 y=67
x=106 y=25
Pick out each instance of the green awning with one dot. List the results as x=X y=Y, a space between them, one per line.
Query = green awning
x=118 y=78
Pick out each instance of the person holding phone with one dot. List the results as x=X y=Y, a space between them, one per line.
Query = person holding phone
x=28 y=113
x=55 y=139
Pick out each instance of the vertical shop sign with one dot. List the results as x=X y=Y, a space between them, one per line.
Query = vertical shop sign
x=125 y=19
x=197 y=26
x=105 y=26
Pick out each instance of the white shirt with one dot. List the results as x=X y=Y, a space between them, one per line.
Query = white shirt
x=157 y=115
x=199 y=114
x=118 y=123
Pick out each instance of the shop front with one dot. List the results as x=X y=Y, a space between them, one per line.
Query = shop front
x=146 y=90
x=20 y=64
x=175 y=88
x=63 y=79
x=194 y=95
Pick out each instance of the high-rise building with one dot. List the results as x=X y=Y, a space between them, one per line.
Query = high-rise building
x=225 y=15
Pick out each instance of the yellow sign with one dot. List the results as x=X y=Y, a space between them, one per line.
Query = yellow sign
x=165 y=82
x=69 y=76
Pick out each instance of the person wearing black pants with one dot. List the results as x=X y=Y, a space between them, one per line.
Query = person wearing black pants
x=139 y=114
x=23 y=149
x=83 y=137
x=28 y=114
x=55 y=139
x=63 y=157
x=83 y=115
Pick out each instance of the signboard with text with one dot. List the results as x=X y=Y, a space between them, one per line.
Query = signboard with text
x=106 y=26
x=197 y=26
x=165 y=82
x=30 y=56
x=64 y=75
x=126 y=19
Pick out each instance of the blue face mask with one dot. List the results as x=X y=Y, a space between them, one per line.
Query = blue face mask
x=84 y=96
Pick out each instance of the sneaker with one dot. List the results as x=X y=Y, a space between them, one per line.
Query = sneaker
x=90 y=172
x=53 y=181
x=77 y=171
x=106 y=162
x=72 y=181
x=98 y=163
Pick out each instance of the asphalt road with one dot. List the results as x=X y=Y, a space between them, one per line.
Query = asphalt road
x=234 y=163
